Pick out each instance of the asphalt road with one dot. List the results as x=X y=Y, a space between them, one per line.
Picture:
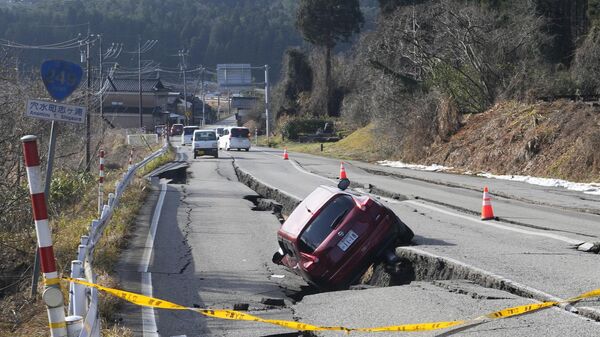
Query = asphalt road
x=212 y=250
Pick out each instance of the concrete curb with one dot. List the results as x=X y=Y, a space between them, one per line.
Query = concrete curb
x=426 y=266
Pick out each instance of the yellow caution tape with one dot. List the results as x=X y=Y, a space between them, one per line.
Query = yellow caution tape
x=146 y=301
x=51 y=281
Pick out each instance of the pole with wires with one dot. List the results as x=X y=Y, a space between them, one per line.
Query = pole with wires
x=185 y=110
x=203 y=98
x=140 y=80
x=87 y=96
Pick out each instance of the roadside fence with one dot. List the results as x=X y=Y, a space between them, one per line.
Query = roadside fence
x=83 y=316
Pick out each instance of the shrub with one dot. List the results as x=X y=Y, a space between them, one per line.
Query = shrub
x=293 y=128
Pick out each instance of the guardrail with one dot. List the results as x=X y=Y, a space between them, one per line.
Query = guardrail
x=83 y=319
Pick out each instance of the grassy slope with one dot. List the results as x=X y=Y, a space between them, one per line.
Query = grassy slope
x=31 y=318
x=555 y=140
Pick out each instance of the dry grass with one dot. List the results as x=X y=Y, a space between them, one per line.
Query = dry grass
x=359 y=145
x=22 y=316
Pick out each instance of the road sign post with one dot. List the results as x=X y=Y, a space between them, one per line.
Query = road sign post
x=60 y=78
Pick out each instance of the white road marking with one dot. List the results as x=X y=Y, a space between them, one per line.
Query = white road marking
x=489 y=223
x=149 y=328
x=495 y=224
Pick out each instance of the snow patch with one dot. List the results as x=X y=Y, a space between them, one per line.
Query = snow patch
x=592 y=188
x=431 y=168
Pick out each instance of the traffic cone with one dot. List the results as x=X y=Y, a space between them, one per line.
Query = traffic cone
x=487 y=213
x=285 y=154
x=343 y=171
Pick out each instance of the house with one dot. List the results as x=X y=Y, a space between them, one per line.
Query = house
x=121 y=102
x=242 y=107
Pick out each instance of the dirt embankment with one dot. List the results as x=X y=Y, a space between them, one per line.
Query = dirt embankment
x=559 y=139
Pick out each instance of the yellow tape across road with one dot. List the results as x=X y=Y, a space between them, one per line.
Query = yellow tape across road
x=146 y=301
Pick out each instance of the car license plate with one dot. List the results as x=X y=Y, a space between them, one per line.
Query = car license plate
x=200 y=153
x=348 y=240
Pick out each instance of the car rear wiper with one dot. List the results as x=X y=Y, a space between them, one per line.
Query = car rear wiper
x=337 y=220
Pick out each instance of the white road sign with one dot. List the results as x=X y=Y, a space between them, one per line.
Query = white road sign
x=234 y=75
x=55 y=111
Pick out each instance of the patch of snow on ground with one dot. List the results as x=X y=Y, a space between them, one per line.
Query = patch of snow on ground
x=593 y=188
x=432 y=168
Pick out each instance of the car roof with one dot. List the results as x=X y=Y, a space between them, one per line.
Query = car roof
x=304 y=212
x=191 y=127
x=205 y=130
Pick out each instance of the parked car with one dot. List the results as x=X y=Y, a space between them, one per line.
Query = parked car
x=205 y=143
x=188 y=132
x=235 y=138
x=333 y=236
x=176 y=129
x=219 y=131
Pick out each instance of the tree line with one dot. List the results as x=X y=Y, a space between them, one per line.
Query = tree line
x=426 y=62
x=214 y=31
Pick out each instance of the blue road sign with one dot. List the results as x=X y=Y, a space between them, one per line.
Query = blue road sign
x=61 y=78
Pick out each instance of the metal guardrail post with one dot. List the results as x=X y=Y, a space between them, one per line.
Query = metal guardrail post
x=74 y=325
x=101 y=183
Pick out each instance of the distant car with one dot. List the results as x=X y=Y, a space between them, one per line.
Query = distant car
x=205 y=143
x=219 y=131
x=176 y=129
x=334 y=235
x=186 y=135
x=235 y=138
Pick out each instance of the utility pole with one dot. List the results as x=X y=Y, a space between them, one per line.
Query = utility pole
x=87 y=119
x=203 y=98
x=101 y=83
x=267 y=100
x=185 y=108
x=140 y=80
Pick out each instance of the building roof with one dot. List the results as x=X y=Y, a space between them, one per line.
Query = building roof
x=132 y=85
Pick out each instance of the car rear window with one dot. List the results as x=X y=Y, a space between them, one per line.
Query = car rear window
x=205 y=135
x=189 y=131
x=325 y=222
x=240 y=133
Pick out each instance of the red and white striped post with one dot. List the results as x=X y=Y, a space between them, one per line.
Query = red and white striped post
x=130 y=158
x=101 y=184
x=52 y=296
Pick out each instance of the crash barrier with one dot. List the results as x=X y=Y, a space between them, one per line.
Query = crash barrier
x=83 y=303
x=153 y=302
x=142 y=139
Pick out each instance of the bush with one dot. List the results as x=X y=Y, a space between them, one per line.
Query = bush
x=293 y=128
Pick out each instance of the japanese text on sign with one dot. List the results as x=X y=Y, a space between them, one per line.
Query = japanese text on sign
x=55 y=111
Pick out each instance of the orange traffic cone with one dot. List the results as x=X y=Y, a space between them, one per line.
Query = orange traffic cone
x=343 y=171
x=487 y=213
x=285 y=154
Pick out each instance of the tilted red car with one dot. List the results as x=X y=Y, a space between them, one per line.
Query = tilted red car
x=334 y=235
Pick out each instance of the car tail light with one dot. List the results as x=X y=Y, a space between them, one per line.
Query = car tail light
x=310 y=261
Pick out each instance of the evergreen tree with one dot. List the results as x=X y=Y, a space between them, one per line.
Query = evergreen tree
x=324 y=23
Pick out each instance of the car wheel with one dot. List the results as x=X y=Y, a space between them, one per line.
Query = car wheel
x=216 y=155
x=248 y=149
x=227 y=147
x=195 y=157
x=405 y=234
x=239 y=149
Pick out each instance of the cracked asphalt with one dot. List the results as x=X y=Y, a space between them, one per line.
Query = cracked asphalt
x=213 y=251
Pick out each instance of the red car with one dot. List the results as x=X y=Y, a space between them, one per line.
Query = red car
x=176 y=129
x=334 y=235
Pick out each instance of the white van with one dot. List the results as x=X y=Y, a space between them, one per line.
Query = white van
x=186 y=135
x=205 y=143
x=235 y=138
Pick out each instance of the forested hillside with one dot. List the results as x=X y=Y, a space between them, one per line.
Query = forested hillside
x=429 y=66
x=214 y=31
